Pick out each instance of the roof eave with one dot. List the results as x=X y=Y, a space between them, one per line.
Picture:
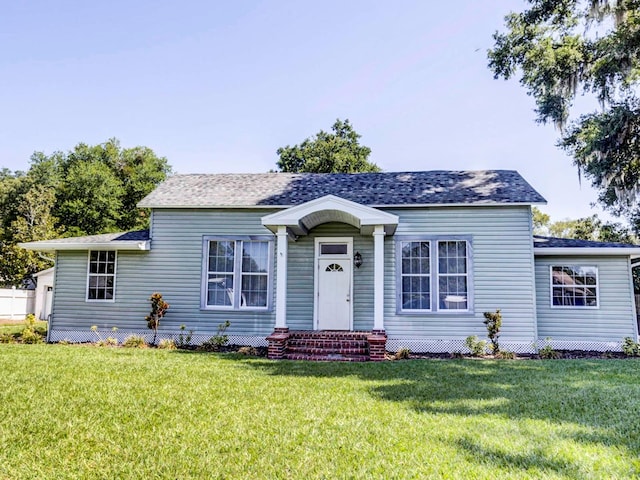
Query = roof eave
x=401 y=205
x=632 y=252
x=130 y=245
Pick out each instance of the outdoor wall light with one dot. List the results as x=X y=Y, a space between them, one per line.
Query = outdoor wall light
x=357 y=260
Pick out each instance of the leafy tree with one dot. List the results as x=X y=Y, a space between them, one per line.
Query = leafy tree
x=561 y=48
x=88 y=190
x=540 y=222
x=90 y=199
x=337 y=152
x=586 y=228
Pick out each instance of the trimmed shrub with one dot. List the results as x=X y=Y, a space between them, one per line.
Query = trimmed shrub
x=134 y=341
x=476 y=347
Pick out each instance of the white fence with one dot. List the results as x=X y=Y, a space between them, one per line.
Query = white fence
x=15 y=303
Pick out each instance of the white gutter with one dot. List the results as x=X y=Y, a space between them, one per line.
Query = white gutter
x=632 y=252
x=131 y=245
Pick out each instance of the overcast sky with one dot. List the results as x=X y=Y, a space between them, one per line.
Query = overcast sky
x=218 y=86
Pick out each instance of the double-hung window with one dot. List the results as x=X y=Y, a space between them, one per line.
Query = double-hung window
x=574 y=286
x=101 y=276
x=237 y=273
x=453 y=275
x=434 y=275
x=416 y=276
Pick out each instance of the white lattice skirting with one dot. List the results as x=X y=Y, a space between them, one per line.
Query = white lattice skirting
x=434 y=345
x=415 y=344
x=84 y=336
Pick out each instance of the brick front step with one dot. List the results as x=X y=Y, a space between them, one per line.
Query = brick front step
x=327 y=345
x=312 y=350
x=329 y=334
x=326 y=358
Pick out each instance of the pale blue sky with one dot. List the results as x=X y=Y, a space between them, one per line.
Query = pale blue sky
x=219 y=86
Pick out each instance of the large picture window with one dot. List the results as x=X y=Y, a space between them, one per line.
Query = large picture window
x=434 y=275
x=237 y=273
x=574 y=286
x=101 y=276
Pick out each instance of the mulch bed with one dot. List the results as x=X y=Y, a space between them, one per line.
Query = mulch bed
x=562 y=355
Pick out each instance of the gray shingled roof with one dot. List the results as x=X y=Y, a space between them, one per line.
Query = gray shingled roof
x=372 y=189
x=540 y=241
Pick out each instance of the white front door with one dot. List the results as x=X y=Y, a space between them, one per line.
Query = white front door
x=333 y=300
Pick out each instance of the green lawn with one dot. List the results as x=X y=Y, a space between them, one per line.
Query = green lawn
x=85 y=412
x=16 y=326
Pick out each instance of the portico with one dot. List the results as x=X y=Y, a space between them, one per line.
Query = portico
x=334 y=259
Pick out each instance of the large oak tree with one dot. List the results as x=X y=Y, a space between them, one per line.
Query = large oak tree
x=85 y=191
x=563 y=48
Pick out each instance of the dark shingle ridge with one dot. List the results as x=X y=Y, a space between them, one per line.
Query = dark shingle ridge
x=540 y=241
x=374 y=189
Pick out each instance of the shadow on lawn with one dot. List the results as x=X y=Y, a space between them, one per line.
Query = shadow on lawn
x=602 y=396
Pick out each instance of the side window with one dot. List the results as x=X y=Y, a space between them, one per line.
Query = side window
x=452 y=275
x=574 y=286
x=101 y=276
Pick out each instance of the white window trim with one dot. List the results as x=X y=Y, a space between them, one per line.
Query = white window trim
x=573 y=307
x=237 y=273
x=431 y=267
x=434 y=274
x=89 y=274
x=437 y=275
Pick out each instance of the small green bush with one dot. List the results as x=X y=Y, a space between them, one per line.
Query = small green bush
x=248 y=351
x=184 y=340
x=476 y=347
x=547 y=352
x=403 y=353
x=493 y=321
x=29 y=335
x=166 y=344
x=30 y=320
x=219 y=340
x=7 y=338
x=158 y=310
x=506 y=355
x=134 y=341
x=457 y=354
x=107 y=342
x=630 y=348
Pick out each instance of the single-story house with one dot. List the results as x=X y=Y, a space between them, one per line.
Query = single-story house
x=408 y=259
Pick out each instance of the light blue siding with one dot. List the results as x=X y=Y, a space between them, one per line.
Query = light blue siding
x=502 y=265
x=173 y=267
x=613 y=320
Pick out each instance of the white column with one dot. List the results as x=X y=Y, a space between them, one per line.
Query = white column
x=281 y=282
x=378 y=278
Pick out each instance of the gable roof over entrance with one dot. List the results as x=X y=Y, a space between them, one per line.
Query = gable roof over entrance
x=302 y=218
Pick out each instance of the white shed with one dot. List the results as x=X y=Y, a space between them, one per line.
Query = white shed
x=44 y=293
